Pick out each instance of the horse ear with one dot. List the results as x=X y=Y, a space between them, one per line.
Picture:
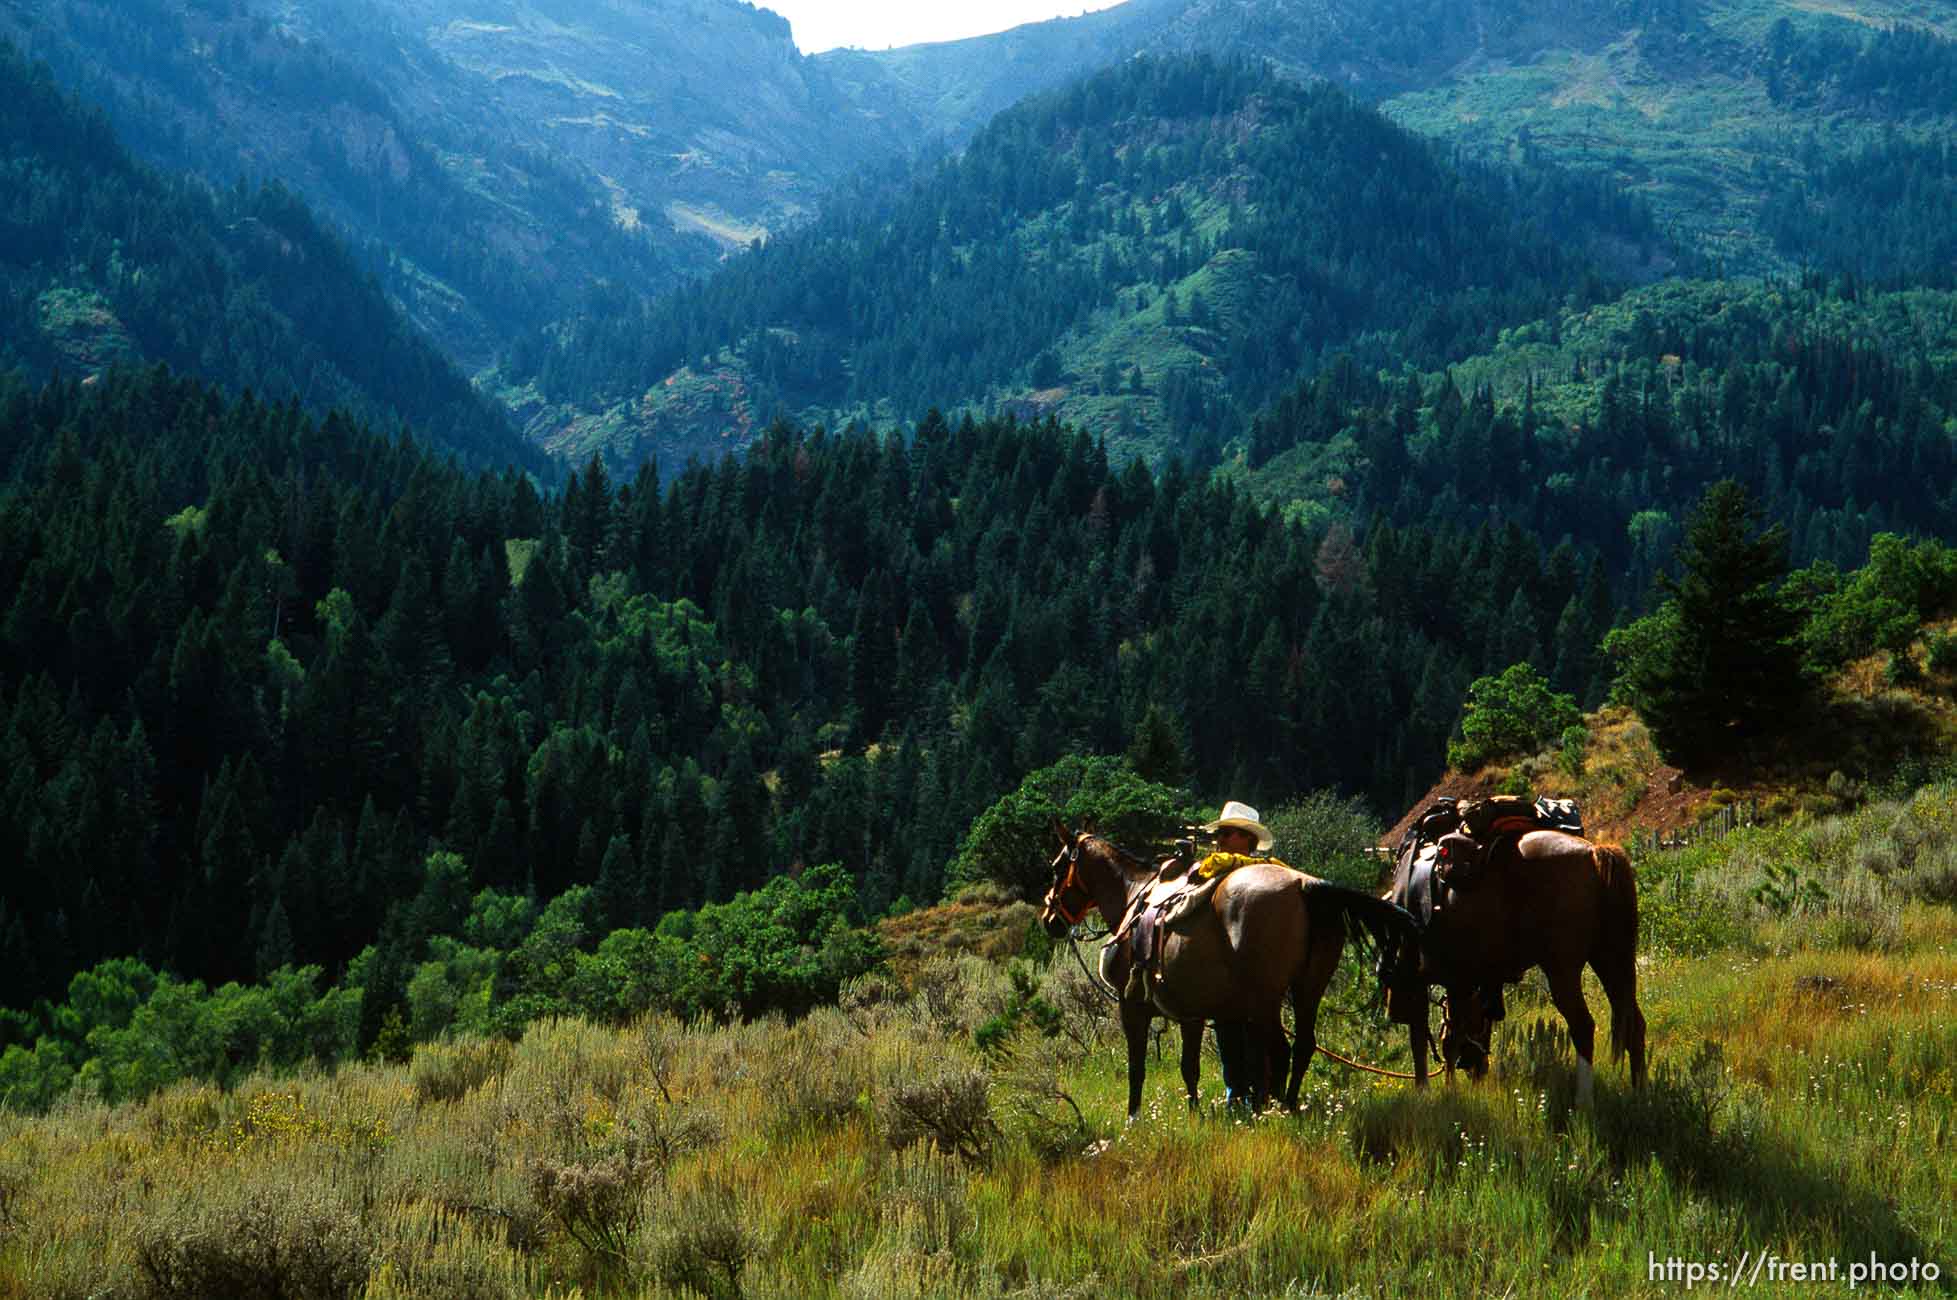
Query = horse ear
x=1063 y=833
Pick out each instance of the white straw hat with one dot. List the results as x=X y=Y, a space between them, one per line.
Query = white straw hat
x=1243 y=817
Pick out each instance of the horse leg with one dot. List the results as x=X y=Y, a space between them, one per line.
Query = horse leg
x=1566 y=991
x=1192 y=1060
x=1447 y=1034
x=1253 y=1054
x=1230 y=1046
x=1619 y=976
x=1306 y=994
x=1257 y=1059
x=1277 y=1059
x=1135 y=1015
x=1417 y=1036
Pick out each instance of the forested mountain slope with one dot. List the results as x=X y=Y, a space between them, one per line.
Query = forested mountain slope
x=1833 y=406
x=1375 y=48
x=520 y=174
x=260 y=666
x=104 y=261
x=1714 y=110
x=493 y=158
x=1771 y=137
x=1151 y=253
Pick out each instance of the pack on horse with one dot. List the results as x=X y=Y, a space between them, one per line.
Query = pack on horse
x=1264 y=933
x=1499 y=887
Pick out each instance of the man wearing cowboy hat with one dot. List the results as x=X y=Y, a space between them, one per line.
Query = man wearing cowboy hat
x=1237 y=830
x=1238 y=837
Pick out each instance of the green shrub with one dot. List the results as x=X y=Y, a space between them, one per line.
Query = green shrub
x=1012 y=842
x=1678 y=914
x=285 y=1242
x=951 y=1110
x=705 y=1244
x=1328 y=836
x=1902 y=669
x=1941 y=656
x=1510 y=716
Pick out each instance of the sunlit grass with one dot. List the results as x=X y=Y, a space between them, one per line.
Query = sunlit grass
x=1801 y=1103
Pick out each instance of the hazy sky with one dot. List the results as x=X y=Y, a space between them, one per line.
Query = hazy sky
x=877 y=24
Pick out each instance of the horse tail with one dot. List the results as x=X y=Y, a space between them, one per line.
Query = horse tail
x=1385 y=927
x=1618 y=940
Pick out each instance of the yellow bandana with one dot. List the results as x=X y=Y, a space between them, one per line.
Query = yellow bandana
x=1220 y=864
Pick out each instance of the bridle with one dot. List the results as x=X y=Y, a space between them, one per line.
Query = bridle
x=1056 y=897
x=1056 y=902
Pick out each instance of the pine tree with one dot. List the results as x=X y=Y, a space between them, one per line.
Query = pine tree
x=275 y=948
x=1157 y=750
x=1719 y=666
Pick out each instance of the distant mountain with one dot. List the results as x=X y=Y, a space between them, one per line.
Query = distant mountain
x=495 y=157
x=519 y=173
x=104 y=260
x=1152 y=253
x=1708 y=108
x=1374 y=48
x=1832 y=404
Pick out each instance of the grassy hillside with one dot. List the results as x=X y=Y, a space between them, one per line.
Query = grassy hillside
x=1715 y=113
x=1800 y=1105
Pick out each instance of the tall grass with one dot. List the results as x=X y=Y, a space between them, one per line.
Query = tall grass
x=1801 y=1104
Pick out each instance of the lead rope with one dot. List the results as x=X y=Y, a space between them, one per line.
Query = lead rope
x=1432 y=1043
x=1361 y=1065
x=1101 y=986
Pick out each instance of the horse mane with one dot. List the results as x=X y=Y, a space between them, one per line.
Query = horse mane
x=1131 y=861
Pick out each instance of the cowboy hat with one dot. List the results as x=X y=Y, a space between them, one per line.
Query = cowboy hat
x=1243 y=817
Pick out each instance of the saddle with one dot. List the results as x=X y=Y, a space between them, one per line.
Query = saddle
x=1464 y=849
x=1446 y=852
x=1172 y=904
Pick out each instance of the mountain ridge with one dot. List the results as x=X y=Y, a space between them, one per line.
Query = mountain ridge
x=1131 y=252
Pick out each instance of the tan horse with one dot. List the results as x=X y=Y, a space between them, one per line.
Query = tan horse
x=1268 y=933
x=1547 y=900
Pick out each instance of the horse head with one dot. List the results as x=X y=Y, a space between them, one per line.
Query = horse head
x=1067 y=899
x=1465 y=1033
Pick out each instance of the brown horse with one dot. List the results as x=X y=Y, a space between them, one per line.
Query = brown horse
x=1066 y=904
x=1548 y=900
x=1268 y=933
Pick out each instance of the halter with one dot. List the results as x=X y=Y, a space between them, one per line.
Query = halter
x=1056 y=896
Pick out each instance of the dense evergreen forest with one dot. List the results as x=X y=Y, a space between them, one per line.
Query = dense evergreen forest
x=1834 y=409
x=1109 y=198
x=103 y=259
x=259 y=665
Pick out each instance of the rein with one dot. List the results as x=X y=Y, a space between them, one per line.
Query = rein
x=1094 y=979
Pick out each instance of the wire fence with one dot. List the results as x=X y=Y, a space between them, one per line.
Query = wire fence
x=1717 y=826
